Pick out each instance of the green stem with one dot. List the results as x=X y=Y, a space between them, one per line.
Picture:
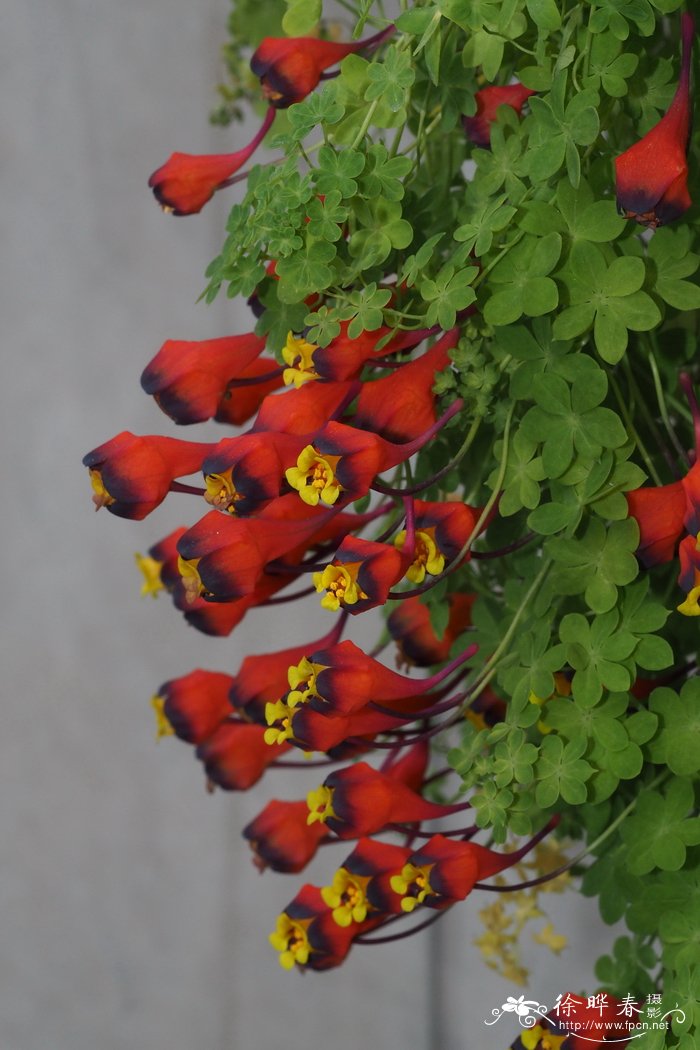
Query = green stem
x=633 y=432
x=662 y=406
x=365 y=124
x=641 y=401
x=490 y=666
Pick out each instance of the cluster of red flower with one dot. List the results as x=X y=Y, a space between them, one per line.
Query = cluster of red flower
x=280 y=497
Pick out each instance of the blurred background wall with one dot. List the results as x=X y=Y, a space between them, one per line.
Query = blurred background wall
x=130 y=913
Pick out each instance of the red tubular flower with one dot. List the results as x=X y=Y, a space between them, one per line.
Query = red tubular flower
x=281 y=838
x=442 y=530
x=223 y=558
x=190 y=380
x=313 y=731
x=360 y=886
x=343 y=358
x=402 y=405
x=184 y=184
x=409 y=625
x=342 y=680
x=235 y=755
x=132 y=475
x=488 y=99
x=360 y=576
x=652 y=174
x=444 y=871
x=196 y=703
x=265 y=677
x=306 y=409
x=244 y=474
x=219 y=619
x=343 y=461
x=359 y=800
x=307 y=935
x=290 y=68
x=659 y=512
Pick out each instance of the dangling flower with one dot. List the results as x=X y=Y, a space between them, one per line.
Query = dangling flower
x=401 y=406
x=223 y=558
x=196 y=703
x=184 y=184
x=409 y=625
x=281 y=838
x=488 y=100
x=191 y=380
x=304 y=409
x=652 y=174
x=343 y=461
x=235 y=755
x=306 y=935
x=132 y=475
x=359 y=800
x=360 y=576
x=244 y=474
x=219 y=619
x=357 y=887
x=344 y=358
x=442 y=530
x=290 y=68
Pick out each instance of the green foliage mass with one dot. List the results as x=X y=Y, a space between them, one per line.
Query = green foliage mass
x=574 y=323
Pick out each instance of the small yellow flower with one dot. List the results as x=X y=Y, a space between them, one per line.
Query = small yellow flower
x=221 y=491
x=412 y=885
x=346 y=896
x=550 y=939
x=191 y=580
x=298 y=354
x=163 y=726
x=100 y=496
x=291 y=941
x=340 y=581
x=314 y=477
x=320 y=803
x=152 y=583
x=427 y=557
x=691 y=605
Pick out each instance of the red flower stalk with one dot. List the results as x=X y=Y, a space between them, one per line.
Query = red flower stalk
x=343 y=461
x=307 y=935
x=343 y=358
x=281 y=838
x=290 y=68
x=159 y=564
x=132 y=475
x=184 y=184
x=196 y=703
x=441 y=532
x=359 y=800
x=361 y=575
x=191 y=380
x=361 y=885
x=488 y=100
x=243 y=474
x=235 y=756
x=306 y=409
x=409 y=625
x=402 y=405
x=652 y=174
x=223 y=558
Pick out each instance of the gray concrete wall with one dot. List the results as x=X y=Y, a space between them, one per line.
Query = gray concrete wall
x=130 y=914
